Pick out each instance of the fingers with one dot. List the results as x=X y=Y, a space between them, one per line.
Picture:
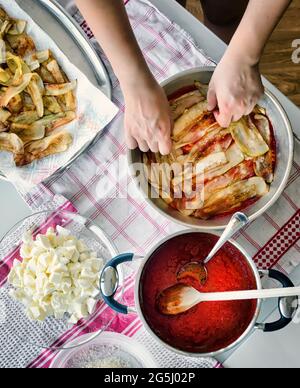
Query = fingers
x=159 y=142
x=164 y=138
x=212 y=99
x=153 y=145
x=224 y=116
x=165 y=146
x=143 y=145
x=134 y=142
x=232 y=110
x=130 y=141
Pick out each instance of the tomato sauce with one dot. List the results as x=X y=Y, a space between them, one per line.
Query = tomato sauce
x=210 y=326
x=181 y=92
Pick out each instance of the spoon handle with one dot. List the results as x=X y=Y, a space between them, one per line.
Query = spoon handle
x=237 y=222
x=251 y=294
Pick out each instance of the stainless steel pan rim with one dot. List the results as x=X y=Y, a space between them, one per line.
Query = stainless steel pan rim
x=92 y=58
x=284 y=134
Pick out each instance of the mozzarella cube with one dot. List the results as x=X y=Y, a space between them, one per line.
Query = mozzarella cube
x=91 y=305
x=35 y=312
x=37 y=251
x=27 y=238
x=62 y=231
x=56 y=278
x=85 y=256
x=84 y=283
x=81 y=246
x=43 y=241
x=58 y=275
x=80 y=309
x=26 y=251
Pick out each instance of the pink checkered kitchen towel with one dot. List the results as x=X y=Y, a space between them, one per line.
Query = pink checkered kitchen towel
x=98 y=184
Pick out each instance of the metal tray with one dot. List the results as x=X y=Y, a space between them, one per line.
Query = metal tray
x=61 y=27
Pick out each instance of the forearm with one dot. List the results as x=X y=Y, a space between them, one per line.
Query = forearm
x=110 y=25
x=257 y=25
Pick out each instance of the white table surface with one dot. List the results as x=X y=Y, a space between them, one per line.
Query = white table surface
x=280 y=349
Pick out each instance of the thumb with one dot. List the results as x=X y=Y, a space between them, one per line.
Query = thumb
x=212 y=99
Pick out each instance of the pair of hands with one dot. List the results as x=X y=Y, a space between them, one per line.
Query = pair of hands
x=234 y=91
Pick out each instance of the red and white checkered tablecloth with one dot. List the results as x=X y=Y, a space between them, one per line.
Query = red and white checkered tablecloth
x=98 y=184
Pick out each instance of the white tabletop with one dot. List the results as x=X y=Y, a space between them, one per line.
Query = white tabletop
x=261 y=350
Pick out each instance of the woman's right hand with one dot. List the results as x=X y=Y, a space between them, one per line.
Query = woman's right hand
x=235 y=88
x=148 y=122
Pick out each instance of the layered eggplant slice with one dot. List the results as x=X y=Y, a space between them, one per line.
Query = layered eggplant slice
x=36 y=96
x=213 y=171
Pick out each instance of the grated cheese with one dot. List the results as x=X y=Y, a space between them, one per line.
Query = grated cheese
x=109 y=362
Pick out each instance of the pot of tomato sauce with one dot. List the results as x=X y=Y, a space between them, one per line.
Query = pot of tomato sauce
x=208 y=329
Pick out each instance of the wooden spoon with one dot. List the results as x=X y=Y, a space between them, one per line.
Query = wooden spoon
x=180 y=298
x=197 y=270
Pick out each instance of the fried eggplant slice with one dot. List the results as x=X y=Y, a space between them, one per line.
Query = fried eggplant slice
x=32 y=133
x=15 y=105
x=180 y=105
x=45 y=75
x=265 y=165
x=35 y=60
x=70 y=101
x=244 y=170
x=189 y=119
x=12 y=143
x=263 y=125
x=193 y=151
x=198 y=131
x=203 y=88
x=3 y=15
x=18 y=27
x=53 y=122
x=13 y=91
x=22 y=44
x=5 y=77
x=234 y=157
x=27 y=118
x=60 y=89
x=204 y=165
x=51 y=105
x=4 y=115
x=5 y=26
x=36 y=90
x=248 y=139
x=14 y=64
x=54 y=69
x=221 y=145
x=39 y=149
x=233 y=197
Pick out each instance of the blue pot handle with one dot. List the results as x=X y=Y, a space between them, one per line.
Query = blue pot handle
x=287 y=306
x=109 y=282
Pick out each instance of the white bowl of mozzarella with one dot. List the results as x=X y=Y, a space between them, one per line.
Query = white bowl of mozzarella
x=55 y=259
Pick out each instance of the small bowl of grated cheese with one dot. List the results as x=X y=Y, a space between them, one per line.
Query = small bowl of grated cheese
x=109 y=351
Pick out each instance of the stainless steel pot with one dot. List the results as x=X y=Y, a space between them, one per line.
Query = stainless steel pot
x=109 y=285
x=285 y=151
